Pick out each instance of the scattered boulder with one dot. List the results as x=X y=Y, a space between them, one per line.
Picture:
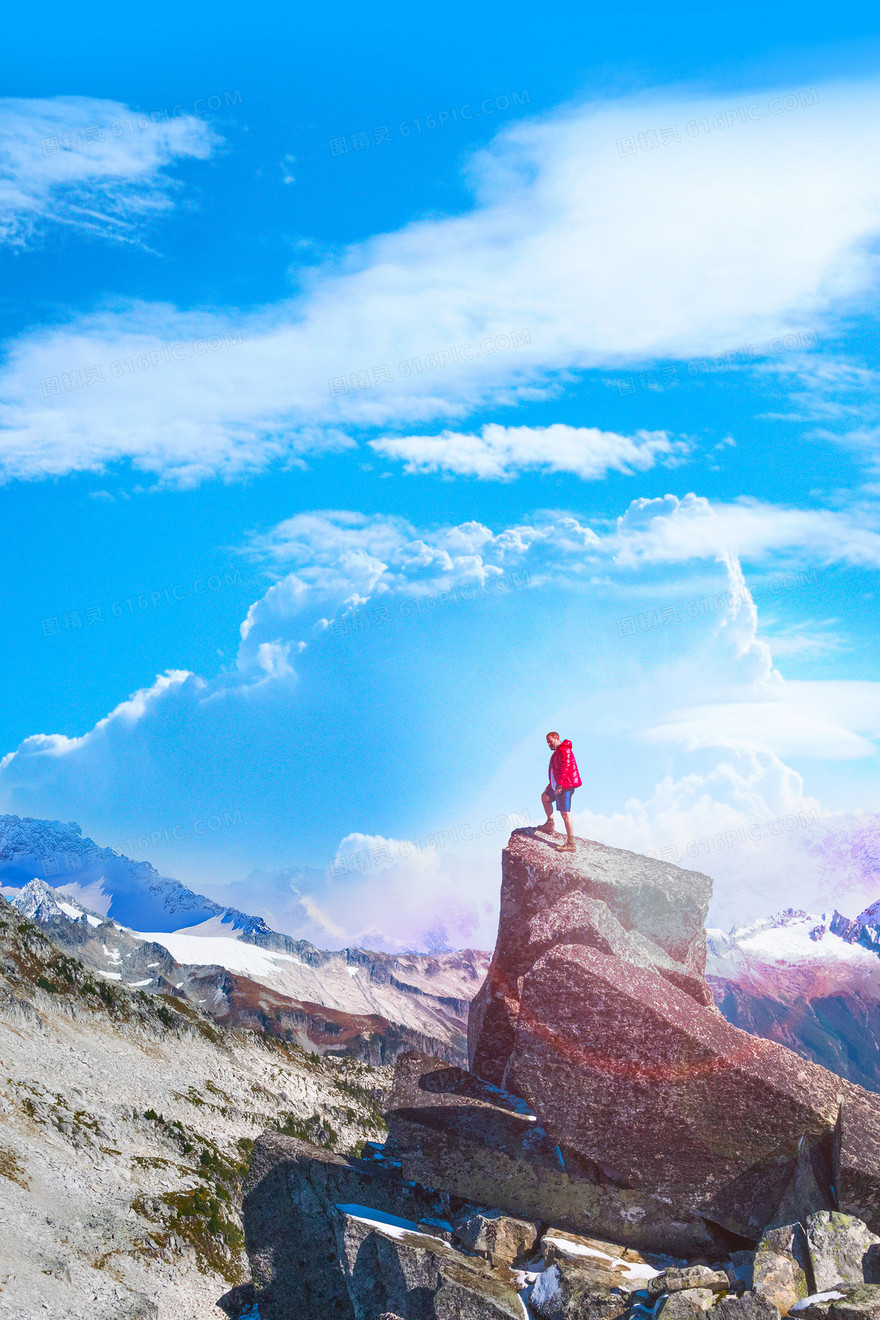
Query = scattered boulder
x=839 y=1247
x=557 y=1244
x=288 y=1212
x=781 y=1269
x=502 y=1238
x=860 y=1302
x=686 y=1304
x=751 y=1306
x=385 y=1262
x=564 y=1291
x=678 y=1279
x=239 y=1301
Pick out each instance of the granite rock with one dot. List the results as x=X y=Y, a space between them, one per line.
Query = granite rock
x=781 y=1269
x=686 y=1304
x=502 y=1238
x=751 y=1306
x=450 y=1129
x=390 y=1265
x=839 y=1245
x=288 y=1213
x=565 y=1291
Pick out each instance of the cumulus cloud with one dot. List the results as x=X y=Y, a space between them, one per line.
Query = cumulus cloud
x=573 y=256
x=92 y=164
x=387 y=695
x=502 y=452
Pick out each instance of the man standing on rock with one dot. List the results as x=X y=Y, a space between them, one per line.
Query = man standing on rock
x=564 y=779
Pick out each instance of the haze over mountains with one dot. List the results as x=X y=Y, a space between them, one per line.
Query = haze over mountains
x=131 y=925
x=809 y=981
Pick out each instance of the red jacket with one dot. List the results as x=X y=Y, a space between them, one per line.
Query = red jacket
x=563 y=767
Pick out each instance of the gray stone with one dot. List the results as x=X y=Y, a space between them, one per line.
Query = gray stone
x=392 y=1266
x=686 y=1304
x=564 y=1291
x=838 y=1245
x=502 y=1238
x=751 y=1306
x=557 y=1244
x=781 y=1270
x=857 y=1155
x=288 y=1215
x=452 y=1130
x=679 y=1278
x=861 y=1302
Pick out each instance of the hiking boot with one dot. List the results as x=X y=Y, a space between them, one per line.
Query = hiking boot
x=568 y=846
x=547 y=828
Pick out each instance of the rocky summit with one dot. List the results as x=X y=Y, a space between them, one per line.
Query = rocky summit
x=615 y=1146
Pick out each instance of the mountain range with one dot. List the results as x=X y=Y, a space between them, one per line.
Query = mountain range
x=808 y=981
x=132 y=925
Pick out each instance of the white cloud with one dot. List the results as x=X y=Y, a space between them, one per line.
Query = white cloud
x=426 y=719
x=502 y=452
x=92 y=164
x=672 y=530
x=572 y=257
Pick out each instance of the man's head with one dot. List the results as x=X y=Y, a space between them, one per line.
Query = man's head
x=553 y=741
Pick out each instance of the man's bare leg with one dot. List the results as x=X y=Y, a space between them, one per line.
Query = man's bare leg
x=569 y=845
x=548 y=827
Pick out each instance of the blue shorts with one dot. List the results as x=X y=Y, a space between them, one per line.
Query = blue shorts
x=563 y=799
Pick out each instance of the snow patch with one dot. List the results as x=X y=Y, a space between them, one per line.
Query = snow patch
x=815 y=1297
x=390 y=1224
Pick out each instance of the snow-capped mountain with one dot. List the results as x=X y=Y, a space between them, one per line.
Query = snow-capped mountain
x=809 y=981
x=105 y=882
x=351 y=1001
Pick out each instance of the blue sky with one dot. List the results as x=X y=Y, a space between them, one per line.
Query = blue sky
x=380 y=390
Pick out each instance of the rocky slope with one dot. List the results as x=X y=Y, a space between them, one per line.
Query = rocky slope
x=610 y=1113
x=128 y=1119
x=810 y=982
x=352 y=1001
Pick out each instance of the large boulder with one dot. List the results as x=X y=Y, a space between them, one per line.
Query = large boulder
x=450 y=1129
x=595 y=1012
x=387 y=1264
x=289 y=1209
x=501 y=1238
x=633 y=907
